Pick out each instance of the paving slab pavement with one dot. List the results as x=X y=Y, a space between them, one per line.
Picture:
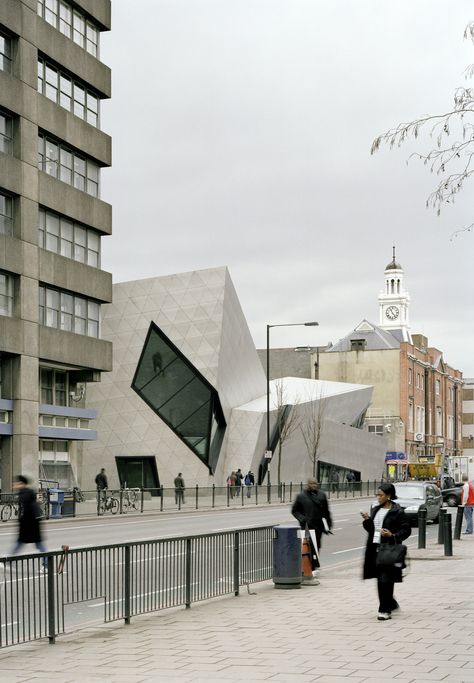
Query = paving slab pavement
x=327 y=633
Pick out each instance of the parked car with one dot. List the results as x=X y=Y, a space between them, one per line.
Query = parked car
x=416 y=495
x=452 y=496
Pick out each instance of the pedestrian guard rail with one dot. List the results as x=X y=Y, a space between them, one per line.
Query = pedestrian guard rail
x=126 y=579
x=139 y=500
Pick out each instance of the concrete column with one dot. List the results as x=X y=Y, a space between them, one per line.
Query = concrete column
x=24 y=452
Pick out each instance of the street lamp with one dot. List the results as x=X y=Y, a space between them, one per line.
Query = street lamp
x=311 y=324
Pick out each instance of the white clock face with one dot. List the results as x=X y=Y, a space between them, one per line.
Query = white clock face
x=392 y=312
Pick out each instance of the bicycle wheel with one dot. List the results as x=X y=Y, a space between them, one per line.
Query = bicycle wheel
x=114 y=506
x=6 y=513
x=125 y=506
x=101 y=508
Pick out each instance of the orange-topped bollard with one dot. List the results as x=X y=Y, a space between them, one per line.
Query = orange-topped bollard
x=307 y=565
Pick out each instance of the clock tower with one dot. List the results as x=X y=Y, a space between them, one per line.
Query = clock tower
x=394 y=302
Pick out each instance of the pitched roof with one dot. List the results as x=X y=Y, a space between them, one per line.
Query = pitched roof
x=375 y=337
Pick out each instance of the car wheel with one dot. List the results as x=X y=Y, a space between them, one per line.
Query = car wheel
x=451 y=501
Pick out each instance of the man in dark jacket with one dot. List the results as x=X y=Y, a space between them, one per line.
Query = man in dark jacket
x=29 y=515
x=311 y=509
x=102 y=485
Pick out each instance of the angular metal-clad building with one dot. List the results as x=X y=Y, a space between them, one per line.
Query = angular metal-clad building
x=188 y=393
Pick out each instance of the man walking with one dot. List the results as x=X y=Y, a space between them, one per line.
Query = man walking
x=179 y=489
x=467 y=499
x=102 y=485
x=311 y=509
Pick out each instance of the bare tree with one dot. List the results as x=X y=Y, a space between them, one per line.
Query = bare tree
x=287 y=421
x=452 y=161
x=311 y=429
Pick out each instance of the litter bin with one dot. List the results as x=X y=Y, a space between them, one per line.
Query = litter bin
x=56 y=499
x=68 y=508
x=287 y=556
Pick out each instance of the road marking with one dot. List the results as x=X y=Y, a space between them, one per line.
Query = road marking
x=348 y=550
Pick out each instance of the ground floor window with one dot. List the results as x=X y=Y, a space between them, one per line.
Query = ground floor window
x=138 y=472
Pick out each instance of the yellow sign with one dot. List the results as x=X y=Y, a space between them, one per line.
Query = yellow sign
x=422 y=470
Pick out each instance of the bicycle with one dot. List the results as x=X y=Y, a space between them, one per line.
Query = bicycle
x=108 y=504
x=8 y=510
x=78 y=495
x=129 y=499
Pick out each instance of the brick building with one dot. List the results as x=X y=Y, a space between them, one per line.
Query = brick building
x=417 y=401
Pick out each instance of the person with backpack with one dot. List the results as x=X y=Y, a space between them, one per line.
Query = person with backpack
x=467 y=499
x=249 y=481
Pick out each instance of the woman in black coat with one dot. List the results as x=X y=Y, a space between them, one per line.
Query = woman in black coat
x=387 y=523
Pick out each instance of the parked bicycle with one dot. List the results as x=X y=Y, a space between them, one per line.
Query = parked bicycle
x=130 y=499
x=108 y=504
x=9 y=510
x=78 y=494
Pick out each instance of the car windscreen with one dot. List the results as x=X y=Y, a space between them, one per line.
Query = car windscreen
x=410 y=491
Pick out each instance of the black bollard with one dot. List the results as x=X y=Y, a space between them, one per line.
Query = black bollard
x=422 y=528
x=458 y=525
x=448 y=539
x=442 y=514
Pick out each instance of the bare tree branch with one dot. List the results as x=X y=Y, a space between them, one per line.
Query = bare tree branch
x=452 y=161
x=287 y=422
x=312 y=427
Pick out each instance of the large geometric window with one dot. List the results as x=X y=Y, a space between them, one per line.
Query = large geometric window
x=177 y=392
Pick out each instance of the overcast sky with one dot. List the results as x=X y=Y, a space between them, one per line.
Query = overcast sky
x=241 y=137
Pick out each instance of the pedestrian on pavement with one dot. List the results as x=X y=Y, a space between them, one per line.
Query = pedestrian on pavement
x=179 y=489
x=334 y=480
x=29 y=518
x=467 y=499
x=102 y=485
x=231 y=483
x=311 y=509
x=387 y=523
x=238 y=481
x=249 y=481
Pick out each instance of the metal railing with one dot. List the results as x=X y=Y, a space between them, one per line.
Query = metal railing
x=126 y=579
x=129 y=501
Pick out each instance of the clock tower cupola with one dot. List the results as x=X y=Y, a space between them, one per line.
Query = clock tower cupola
x=394 y=302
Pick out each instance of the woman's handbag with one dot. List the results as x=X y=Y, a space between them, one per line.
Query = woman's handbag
x=391 y=554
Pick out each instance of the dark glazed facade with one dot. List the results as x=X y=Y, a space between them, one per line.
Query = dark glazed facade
x=179 y=394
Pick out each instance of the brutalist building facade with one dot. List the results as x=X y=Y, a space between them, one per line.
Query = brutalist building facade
x=52 y=221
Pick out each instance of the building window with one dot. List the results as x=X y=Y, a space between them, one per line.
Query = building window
x=437 y=387
x=53 y=451
x=420 y=420
x=53 y=386
x=6 y=294
x=177 y=392
x=71 y=23
x=68 y=93
x=69 y=312
x=68 y=238
x=5 y=53
x=410 y=417
x=439 y=422
x=57 y=160
x=6 y=133
x=410 y=375
x=417 y=380
x=6 y=214
x=376 y=429
x=422 y=381
x=450 y=427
